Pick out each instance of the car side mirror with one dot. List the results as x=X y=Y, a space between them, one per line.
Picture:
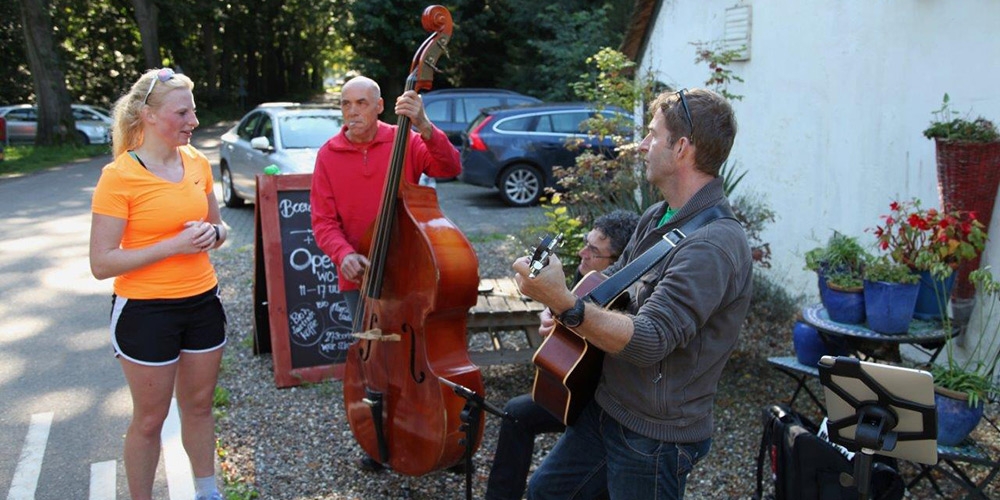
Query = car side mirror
x=261 y=143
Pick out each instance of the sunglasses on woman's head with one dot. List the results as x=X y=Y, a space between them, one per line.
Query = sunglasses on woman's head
x=162 y=75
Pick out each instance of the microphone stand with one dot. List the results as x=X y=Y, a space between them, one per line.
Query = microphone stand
x=471 y=415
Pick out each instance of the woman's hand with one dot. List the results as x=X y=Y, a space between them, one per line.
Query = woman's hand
x=197 y=236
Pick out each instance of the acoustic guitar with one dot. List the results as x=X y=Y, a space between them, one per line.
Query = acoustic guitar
x=567 y=367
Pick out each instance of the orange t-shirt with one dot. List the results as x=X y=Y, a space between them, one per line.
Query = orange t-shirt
x=155 y=210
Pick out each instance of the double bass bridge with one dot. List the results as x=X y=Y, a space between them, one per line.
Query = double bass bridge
x=377 y=335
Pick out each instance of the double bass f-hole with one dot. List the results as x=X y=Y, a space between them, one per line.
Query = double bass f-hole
x=413 y=355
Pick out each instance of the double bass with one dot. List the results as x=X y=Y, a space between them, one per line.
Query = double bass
x=414 y=299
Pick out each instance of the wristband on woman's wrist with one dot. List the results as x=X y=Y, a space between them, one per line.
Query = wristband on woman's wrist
x=218 y=233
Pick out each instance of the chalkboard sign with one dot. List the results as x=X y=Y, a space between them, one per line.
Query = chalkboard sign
x=303 y=318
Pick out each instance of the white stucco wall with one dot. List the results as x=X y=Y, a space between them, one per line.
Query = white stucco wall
x=836 y=97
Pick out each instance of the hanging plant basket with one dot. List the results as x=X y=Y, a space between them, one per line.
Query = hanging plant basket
x=968 y=175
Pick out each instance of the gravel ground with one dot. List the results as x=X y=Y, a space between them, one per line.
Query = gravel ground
x=295 y=443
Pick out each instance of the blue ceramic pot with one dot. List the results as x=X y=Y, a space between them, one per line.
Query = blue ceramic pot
x=955 y=419
x=845 y=307
x=932 y=300
x=809 y=346
x=821 y=283
x=889 y=306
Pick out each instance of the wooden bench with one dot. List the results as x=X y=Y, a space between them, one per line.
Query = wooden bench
x=503 y=326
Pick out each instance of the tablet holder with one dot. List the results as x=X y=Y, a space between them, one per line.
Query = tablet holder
x=876 y=419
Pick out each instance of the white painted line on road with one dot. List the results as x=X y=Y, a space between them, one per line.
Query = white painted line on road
x=180 y=481
x=103 y=480
x=22 y=487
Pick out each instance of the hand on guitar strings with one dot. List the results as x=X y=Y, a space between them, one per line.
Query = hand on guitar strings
x=546 y=322
x=353 y=267
x=548 y=287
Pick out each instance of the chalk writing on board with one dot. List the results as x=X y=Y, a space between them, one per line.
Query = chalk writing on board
x=319 y=323
x=303 y=325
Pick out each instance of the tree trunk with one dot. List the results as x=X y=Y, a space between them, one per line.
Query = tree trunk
x=55 y=117
x=146 y=16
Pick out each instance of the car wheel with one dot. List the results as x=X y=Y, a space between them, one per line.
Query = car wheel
x=229 y=196
x=521 y=185
x=80 y=136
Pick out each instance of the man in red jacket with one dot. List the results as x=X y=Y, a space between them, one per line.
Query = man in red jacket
x=351 y=169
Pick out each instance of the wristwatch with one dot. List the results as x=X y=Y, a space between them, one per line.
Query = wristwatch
x=573 y=316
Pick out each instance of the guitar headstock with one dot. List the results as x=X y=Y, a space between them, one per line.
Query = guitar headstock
x=541 y=253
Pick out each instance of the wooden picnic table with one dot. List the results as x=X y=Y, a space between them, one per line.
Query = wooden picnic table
x=508 y=318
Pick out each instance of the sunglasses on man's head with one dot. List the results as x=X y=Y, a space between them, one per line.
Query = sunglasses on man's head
x=162 y=75
x=687 y=112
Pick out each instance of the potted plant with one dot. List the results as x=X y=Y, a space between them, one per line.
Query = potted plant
x=890 y=295
x=963 y=385
x=842 y=255
x=845 y=299
x=932 y=243
x=967 y=153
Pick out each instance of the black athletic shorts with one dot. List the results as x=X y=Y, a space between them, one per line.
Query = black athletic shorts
x=153 y=332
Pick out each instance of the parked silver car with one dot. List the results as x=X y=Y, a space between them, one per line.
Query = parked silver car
x=92 y=126
x=285 y=134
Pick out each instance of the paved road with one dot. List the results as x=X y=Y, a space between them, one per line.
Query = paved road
x=64 y=405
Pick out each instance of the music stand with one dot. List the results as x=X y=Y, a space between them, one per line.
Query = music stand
x=875 y=408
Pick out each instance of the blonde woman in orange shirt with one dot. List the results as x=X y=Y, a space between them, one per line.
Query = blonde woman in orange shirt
x=155 y=217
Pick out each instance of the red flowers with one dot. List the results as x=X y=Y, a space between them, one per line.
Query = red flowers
x=929 y=239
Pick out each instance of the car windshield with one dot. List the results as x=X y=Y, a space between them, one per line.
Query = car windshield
x=308 y=131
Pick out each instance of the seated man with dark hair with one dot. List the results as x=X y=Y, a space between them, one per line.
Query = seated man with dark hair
x=512 y=460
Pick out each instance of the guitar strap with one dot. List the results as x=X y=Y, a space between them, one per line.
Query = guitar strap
x=606 y=292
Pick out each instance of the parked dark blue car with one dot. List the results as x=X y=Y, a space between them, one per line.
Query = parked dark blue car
x=514 y=149
x=452 y=110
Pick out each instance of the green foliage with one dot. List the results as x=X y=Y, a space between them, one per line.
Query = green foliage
x=560 y=222
x=234 y=487
x=975 y=375
x=883 y=268
x=718 y=60
x=597 y=184
x=240 y=491
x=731 y=177
x=755 y=214
x=841 y=261
x=841 y=255
x=561 y=34
x=220 y=400
x=28 y=158
x=948 y=125
x=844 y=281
x=282 y=50
x=15 y=79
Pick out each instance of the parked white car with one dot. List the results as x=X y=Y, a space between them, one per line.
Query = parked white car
x=287 y=135
x=92 y=125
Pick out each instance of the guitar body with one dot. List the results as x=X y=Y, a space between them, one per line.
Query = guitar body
x=567 y=367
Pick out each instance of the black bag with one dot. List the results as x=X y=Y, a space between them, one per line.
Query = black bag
x=805 y=466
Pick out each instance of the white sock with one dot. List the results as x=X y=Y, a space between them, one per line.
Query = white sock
x=205 y=486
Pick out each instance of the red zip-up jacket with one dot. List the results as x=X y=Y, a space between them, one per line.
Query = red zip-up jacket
x=348 y=181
